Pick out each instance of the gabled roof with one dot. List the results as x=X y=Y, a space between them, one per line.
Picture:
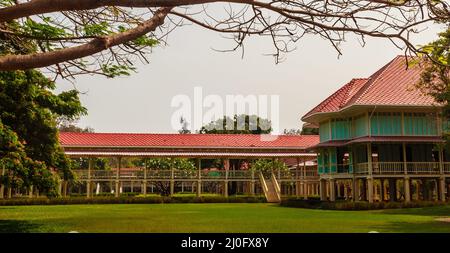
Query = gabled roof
x=392 y=85
x=131 y=140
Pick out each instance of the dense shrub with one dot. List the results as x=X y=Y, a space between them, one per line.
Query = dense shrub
x=349 y=205
x=128 y=200
x=106 y=194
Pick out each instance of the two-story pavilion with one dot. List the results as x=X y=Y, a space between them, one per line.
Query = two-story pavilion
x=380 y=139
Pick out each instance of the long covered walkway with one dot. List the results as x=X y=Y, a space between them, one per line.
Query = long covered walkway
x=301 y=179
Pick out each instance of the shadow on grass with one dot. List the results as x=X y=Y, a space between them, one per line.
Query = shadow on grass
x=422 y=211
x=415 y=227
x=17 y=226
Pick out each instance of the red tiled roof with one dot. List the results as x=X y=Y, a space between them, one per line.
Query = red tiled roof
x=392 y=85
x=71 y=139
x=340 y=98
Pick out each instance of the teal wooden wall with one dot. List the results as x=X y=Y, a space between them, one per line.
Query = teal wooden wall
x=326 y=161
x=381 y=124
x=386 y=123
x=324 y=131
x=341 y=129
x=420 y=124
x=359 y=126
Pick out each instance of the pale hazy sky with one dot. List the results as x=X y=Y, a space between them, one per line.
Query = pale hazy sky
x=142 y=101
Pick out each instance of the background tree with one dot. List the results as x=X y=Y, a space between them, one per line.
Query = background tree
x=108 y=36
x=28 y=113
x=184 y=126
x=239 y=124
x=435 y=79
x=187 y=165
x=267 y=166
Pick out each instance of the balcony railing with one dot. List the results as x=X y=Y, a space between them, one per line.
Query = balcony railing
x=397 y=168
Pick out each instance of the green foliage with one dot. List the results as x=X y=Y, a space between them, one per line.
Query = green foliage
x=435 y=79
x=239 y=124
x=124 y=199
x=95 y=29
x=268 y=165
x=30 y=148
x=112 y=71
x=145 y=41
x=98 y=163
x=169 y=163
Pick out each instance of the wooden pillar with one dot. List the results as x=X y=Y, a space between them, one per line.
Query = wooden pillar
x=332 y=185
x=172 y=182
x=199 y=179
x=226 y=166
x=441 y=190
x=405 y=165
x=144 y=183
x=355 y=189
x=370 y=192
x=407 y=190
x=338 y=189
x=370 y=172
x=119 y=164
x=392 y=189
x=297 y=178
x=305 y=187
x=88 y=183
x=323 y=190
x=252 y=183
x=346 y=197
x=382 y=189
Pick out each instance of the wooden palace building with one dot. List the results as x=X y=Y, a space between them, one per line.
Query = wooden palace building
x=381 y=139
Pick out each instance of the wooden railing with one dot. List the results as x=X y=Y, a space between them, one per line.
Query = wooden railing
x=361 y=168
x=152 y=174
x=447 y=168
x=388 y=168
x=397 y=168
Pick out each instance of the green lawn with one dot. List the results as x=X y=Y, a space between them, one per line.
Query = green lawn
x=216 y=218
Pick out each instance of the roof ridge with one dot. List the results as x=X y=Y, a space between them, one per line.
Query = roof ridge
x=328 y=100
x=371 y=79
x=352 y=82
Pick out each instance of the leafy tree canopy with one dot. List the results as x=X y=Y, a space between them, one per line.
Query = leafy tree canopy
x=107 y=37
x=28 y=113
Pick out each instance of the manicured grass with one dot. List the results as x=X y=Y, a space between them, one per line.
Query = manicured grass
x=225 y=217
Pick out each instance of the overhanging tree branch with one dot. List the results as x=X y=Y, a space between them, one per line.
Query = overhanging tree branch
x=38 y=60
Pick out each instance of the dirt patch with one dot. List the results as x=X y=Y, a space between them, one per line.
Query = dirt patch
x=444 y=219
